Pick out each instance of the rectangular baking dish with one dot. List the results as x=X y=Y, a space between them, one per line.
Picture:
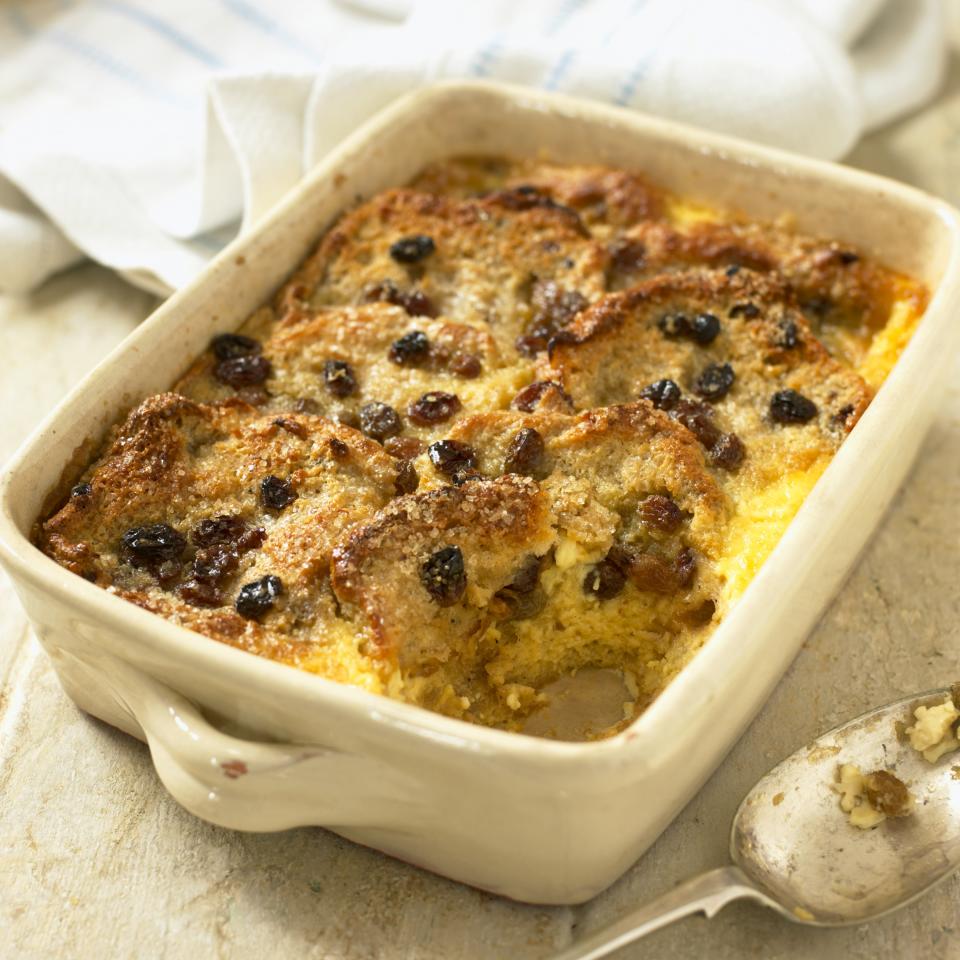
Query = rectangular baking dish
x=251 y=744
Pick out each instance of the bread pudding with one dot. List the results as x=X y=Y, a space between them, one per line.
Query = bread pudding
x=511 y=422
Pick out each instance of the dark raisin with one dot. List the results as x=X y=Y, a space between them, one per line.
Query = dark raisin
x=459 y=479
x=627 y=255
x=788 y=406
x=415 y=302
x=167 y=573
x=81 y=490
x=444 y=576
x=818 y=306
x=527 y=577
x=452 y=458
x=256 y=598
x=605 y=580
x=525 y=454
x=212 y=564
x=704 y=328
x=407 y=480
x=788 y=336
x=660 y=512
x=251 y=539
x=255 y=396
x=685 y=566
x=404 y=448
x=229 y=346
x=887 y=793
x=410 y=349
x=748 y=310
x=715 y=381
x=434 y=407
x=697 y=417
x=466 y=365
x=554 y=307
x=663 y=394
x=412 y=249
x=651 y=573
x=728 y=451
x=339 y=378
x=200 y=594
x=338 y=449
x=275 y=493
x=291 y=426
x=674 y=325
x=843 y=415
x=225 y=528
x=847 y=257
x=530 y=396
x=732 y=271
x=522 y=597
x=247 y=371
x=530 y=344
x=379 y=420
x=152 y=544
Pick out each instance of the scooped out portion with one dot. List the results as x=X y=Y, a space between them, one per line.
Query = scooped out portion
x=512 y=427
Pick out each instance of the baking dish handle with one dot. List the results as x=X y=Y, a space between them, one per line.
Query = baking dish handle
x=246 y=784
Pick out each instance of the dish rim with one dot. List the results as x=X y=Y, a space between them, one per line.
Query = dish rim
x=654 y=731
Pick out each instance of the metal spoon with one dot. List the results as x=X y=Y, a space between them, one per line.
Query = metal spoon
x=795 y=852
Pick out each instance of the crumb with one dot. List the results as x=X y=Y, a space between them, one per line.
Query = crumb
x=778 y=799
x=934 y=733
x=871 y=798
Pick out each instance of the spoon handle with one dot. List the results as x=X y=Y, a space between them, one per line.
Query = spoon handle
x=709 y=892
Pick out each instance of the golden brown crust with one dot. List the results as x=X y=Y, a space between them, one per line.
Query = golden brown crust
x=616 y=350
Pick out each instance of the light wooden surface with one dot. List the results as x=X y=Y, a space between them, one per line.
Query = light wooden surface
x=97 y=861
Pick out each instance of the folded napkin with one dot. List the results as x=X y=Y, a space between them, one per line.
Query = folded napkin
x=146 y=135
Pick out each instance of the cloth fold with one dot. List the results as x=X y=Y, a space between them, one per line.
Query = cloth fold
x=145 y=136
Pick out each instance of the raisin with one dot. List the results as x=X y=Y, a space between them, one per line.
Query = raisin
x=407 y=479
x=748 y=310
x=200 y=594
x=415 y=302
x=466 y=365
x=403 y=448
x=887 y=793
x=246 y=371
x=256 y=598
x=530 y=396
x=379 y=420
x=275 y=493
x=522 y=597
x=789 y=336
x=452 y=458
x=651 y=573
x=434 y=407
x=660 y=512
x=410 y=349
x=697 y=417
x=444 y=577
x=459 y=479
x=674 y=325
x=728 y=451
x=225 y=528
x=605 y=580
x=255 y=396
x=554 y=307
x=843 y=415
x=338 y=449
x=212 y=564
x=704 y=328
x=152 y=544
x=251 y=539
x=818 y=306
x=715 y=381
x=229 y=346
x=81 y=490
x=847 y=257
x=685 y=566
x=530 y=344
x=525 y=454
x=339 y=378
x=733 y=270
x=291 y=426
x=788 y=406
x=167 y=573
x=627 y=255
x=663 y=394
x=412 y=249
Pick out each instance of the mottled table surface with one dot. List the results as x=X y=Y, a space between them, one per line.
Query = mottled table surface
x=96 y=860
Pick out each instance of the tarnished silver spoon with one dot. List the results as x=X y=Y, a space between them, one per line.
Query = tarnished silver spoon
x=794 y=851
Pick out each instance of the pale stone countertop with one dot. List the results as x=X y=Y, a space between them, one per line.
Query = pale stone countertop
x=96 y=860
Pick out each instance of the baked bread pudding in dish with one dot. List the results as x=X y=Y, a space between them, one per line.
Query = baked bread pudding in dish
x=514 y=421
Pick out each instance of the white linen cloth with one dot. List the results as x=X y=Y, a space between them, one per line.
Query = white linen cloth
x=145 y=134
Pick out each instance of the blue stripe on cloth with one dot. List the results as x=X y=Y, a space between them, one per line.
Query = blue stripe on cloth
x=563 y=13
x=110 y=65
x=256 y=17
x=486 y=57
x=633 y=80
x=159 y=26
x=559 y=69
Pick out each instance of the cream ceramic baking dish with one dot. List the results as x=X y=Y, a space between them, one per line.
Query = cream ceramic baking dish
x=537 y=820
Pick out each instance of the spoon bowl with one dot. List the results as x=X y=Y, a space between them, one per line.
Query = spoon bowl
x=796 y=852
